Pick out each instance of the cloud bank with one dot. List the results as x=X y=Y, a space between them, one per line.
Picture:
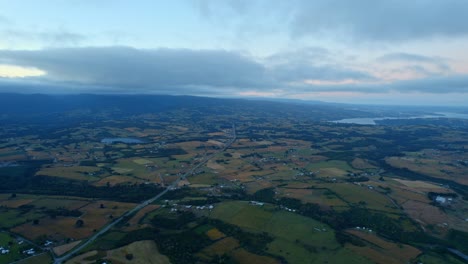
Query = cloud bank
x=362 y=20
x=215 y=72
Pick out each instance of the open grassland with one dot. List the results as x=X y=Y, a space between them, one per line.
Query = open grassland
x=322 y=197
x=143 y=252
x=402 y=195
x=12 y=155
x=433 y=258
x=118 y=179
x=13 y=217
x=6 y=241
x=423 y=186
x=93 y=217
x=215 y=234
x=86 y=258
x=82 y=173
x=297 y=238
x=362 y=164
x=223 y=246
x=382 y=251
x=203 y=178
x=428 y=214
x=136 y=221
x=432 y=167
x=60 y=250
x=254 y=186
x=60 y=202
x=14 y=202
x=338 y=164
x=243 y=256
x=356 y=194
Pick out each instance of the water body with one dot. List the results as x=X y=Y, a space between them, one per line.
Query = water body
x=371 y=120
x=122 y=140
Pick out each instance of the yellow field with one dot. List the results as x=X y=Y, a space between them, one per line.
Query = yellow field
x=60 y=250
x=423 y=185
x=215 y=234
x=64 y=227
x=362 y=164
x=74 y=172
x=144 y=252
x=221 y=247
x=134 y=221
x=117 y=179
x=243 y=256
x=384 y=251
x=81 y=259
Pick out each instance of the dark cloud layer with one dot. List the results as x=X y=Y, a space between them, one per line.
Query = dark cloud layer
x=216 y=72
x=123 y=67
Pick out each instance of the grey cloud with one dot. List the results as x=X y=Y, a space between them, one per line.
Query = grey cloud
x=439 y=63
x=291 y=72
x=383 y=20
x=177 y=68
x=442 y=84
x=197 y=72
x=407 y=57
x=362 y=20
x=142 y=69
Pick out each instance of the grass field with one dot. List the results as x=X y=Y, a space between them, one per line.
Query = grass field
x=319 y=196
x=223 y=246
x=143 y=252
x=297 y=238
x=60 y=250
x=382 y=251
x=371 y=198
x=54 y=203
x=13 y=217
x=93 y=217
x=83 y=173
x=243 y=256
x=338 y=164
x=14 y=249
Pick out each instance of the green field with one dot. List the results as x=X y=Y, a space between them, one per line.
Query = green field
x=339 y=164
x=12 y=217
x=297 y=238
x=372 y=199
x=14 y=248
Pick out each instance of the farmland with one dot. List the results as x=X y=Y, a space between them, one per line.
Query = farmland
x=289 y=189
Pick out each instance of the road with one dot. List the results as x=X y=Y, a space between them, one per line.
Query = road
x=58 y=260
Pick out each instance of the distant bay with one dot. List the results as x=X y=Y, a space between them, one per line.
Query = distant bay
x=371 y=120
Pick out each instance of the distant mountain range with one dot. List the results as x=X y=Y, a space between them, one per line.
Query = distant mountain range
x=42 y=107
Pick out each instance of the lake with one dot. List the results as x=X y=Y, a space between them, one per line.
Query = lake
x=122 y=140
x=371 y=120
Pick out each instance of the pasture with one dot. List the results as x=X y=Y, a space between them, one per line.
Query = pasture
x=297 y=238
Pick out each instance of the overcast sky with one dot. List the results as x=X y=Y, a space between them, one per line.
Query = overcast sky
x=360 y=51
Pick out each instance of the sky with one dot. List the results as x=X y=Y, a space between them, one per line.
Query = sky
x=362 y=51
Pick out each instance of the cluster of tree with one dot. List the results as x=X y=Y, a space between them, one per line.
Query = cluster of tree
x=179 y=221
x=44 y=185
x=199 y=202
